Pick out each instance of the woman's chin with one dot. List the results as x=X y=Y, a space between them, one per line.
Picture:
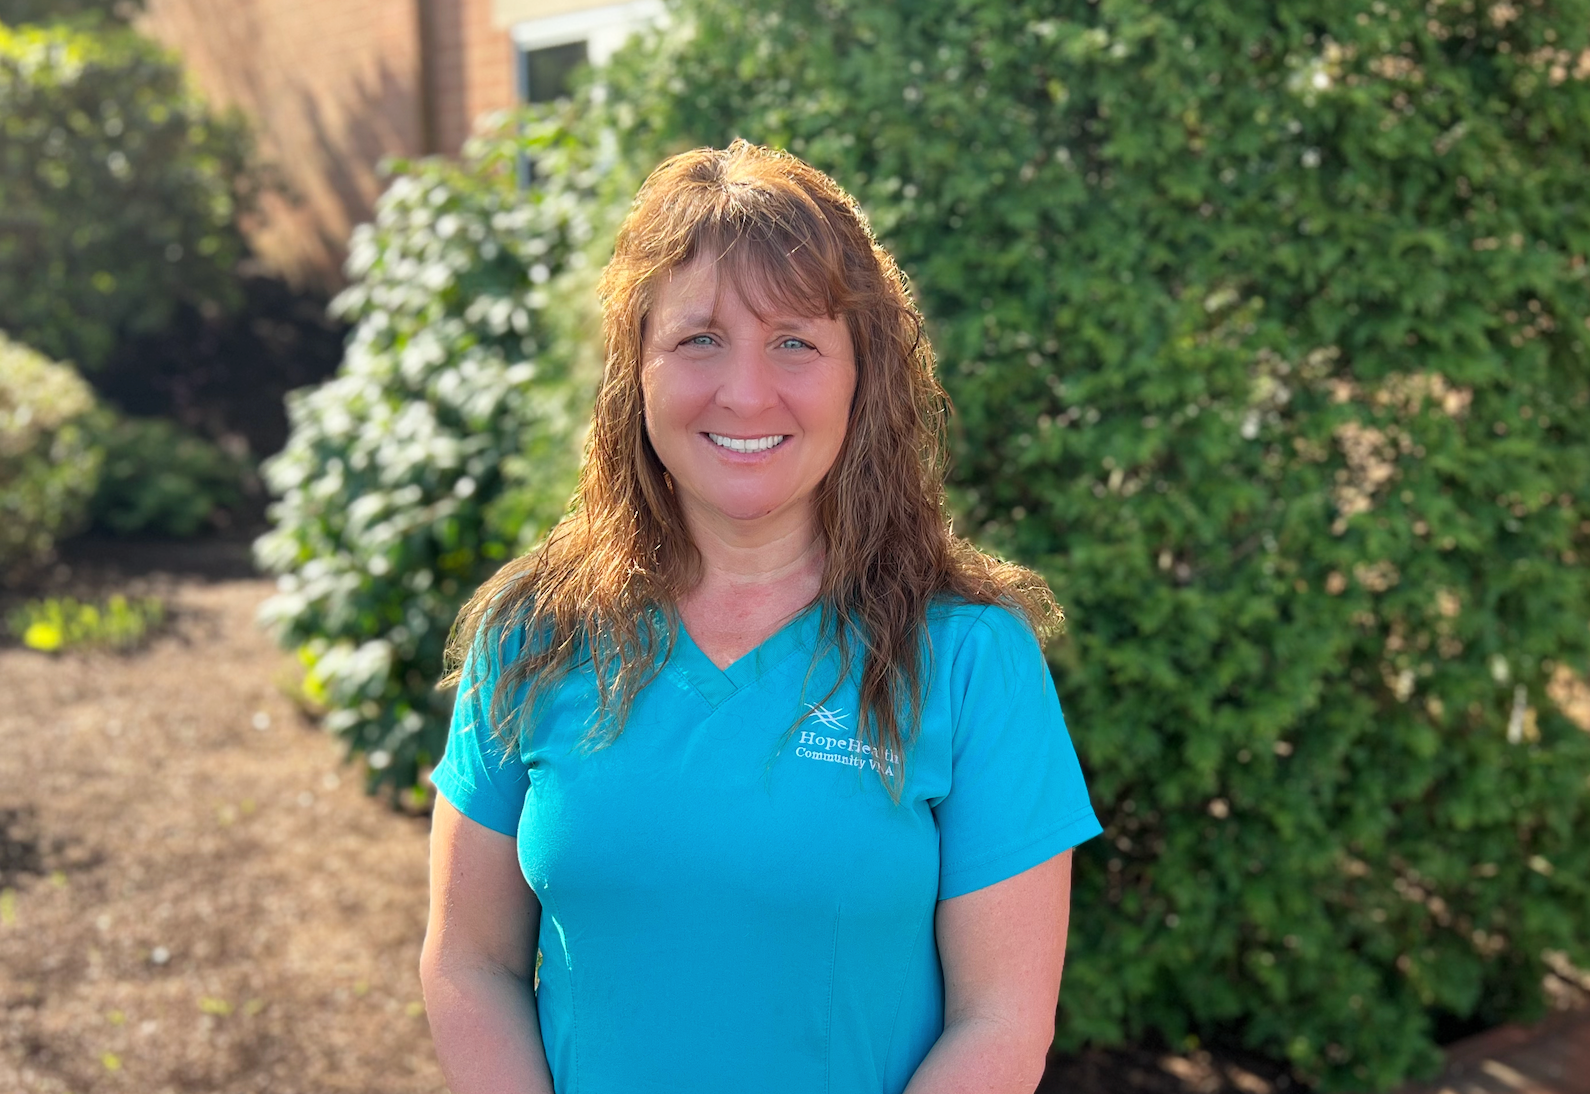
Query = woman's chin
x=755 y=511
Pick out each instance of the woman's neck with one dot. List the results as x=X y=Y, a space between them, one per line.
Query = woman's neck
x=752 y=582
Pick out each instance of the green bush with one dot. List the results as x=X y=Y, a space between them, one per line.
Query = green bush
x=158 y=479
x=118 y=189
x=446 y=443
x=1266 y=327
x=67 y=463
x=61 y=623
x=49 y=464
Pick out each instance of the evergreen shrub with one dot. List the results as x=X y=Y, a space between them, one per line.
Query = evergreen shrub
x=49 y=463
x=1265 y=325
x=448 y=440
x=118 y=189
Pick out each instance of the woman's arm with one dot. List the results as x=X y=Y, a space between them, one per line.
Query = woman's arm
x=478 y=963
x=1002 y=949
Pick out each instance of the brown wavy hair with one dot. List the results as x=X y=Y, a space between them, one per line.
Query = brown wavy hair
x=601 y=590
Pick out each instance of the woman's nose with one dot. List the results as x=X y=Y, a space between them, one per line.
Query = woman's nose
x=748 y=383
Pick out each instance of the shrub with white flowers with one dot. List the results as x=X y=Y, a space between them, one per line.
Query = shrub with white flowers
x=448 y=440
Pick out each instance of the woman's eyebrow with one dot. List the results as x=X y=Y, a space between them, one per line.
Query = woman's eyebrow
x=687 y=320
x=803 y=323
x=701 y=319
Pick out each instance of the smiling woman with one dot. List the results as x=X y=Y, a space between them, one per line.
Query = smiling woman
x=757 y=778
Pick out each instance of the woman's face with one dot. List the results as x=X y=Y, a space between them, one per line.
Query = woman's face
x=746 y=414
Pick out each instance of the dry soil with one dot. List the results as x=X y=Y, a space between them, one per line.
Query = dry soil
x=195 y=892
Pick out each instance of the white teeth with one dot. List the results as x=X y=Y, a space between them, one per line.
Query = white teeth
x=750 y=444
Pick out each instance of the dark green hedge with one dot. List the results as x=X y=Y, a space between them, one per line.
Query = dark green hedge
x=1265 y=324
x=159 y=479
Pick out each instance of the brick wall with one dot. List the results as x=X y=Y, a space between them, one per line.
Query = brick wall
x=331 y=87
x=474 y=68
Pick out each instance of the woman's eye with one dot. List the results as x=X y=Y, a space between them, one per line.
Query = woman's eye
x=794 y=343
x=700 y=340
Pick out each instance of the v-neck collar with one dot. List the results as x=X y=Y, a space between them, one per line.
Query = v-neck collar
x=715 y=685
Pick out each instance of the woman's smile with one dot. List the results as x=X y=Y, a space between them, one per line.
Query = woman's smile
x=746 y=444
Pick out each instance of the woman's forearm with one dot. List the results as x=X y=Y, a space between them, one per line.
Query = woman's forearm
x=980 y=1056
x=483 y=1020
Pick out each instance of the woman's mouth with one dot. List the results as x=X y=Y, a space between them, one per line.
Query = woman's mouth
x=747 y=444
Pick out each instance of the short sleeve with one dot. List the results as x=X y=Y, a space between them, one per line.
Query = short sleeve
x=1016 y=795
x=477 y=775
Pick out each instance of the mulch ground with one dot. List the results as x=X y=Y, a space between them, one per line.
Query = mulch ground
x=195 y=892
x=196 y=895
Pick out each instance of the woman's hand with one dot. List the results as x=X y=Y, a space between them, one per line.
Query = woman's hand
x=478 y=963
x=1002 y=949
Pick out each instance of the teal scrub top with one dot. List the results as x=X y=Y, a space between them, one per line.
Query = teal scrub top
x=729 y=906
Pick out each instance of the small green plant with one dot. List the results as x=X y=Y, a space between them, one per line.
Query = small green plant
x=62 y=623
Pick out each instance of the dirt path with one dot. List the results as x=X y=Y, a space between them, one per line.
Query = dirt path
x=195 y=893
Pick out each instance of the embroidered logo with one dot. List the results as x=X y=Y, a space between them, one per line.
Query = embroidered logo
x=847 y=750
x=828 y=719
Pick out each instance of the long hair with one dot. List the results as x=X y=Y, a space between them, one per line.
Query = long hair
x=601 y=590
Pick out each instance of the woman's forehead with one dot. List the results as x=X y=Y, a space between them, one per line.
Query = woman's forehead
x=695 y=292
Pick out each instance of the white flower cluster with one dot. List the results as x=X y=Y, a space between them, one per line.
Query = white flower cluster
x=445 y=441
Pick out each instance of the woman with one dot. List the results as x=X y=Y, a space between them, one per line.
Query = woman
x=778 y=756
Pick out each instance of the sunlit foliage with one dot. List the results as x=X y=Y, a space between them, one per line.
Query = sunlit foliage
x=447 y=441
x=64 y=623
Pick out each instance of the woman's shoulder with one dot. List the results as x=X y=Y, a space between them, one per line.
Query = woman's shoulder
x=953 y=621
x=496 y=644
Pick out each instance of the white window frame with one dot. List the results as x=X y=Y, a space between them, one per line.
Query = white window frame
x=603 y=29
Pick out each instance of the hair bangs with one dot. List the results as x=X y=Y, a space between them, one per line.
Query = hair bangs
x=775 y=267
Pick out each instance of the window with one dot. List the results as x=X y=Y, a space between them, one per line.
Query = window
x=553 y=47
x=546 y=73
